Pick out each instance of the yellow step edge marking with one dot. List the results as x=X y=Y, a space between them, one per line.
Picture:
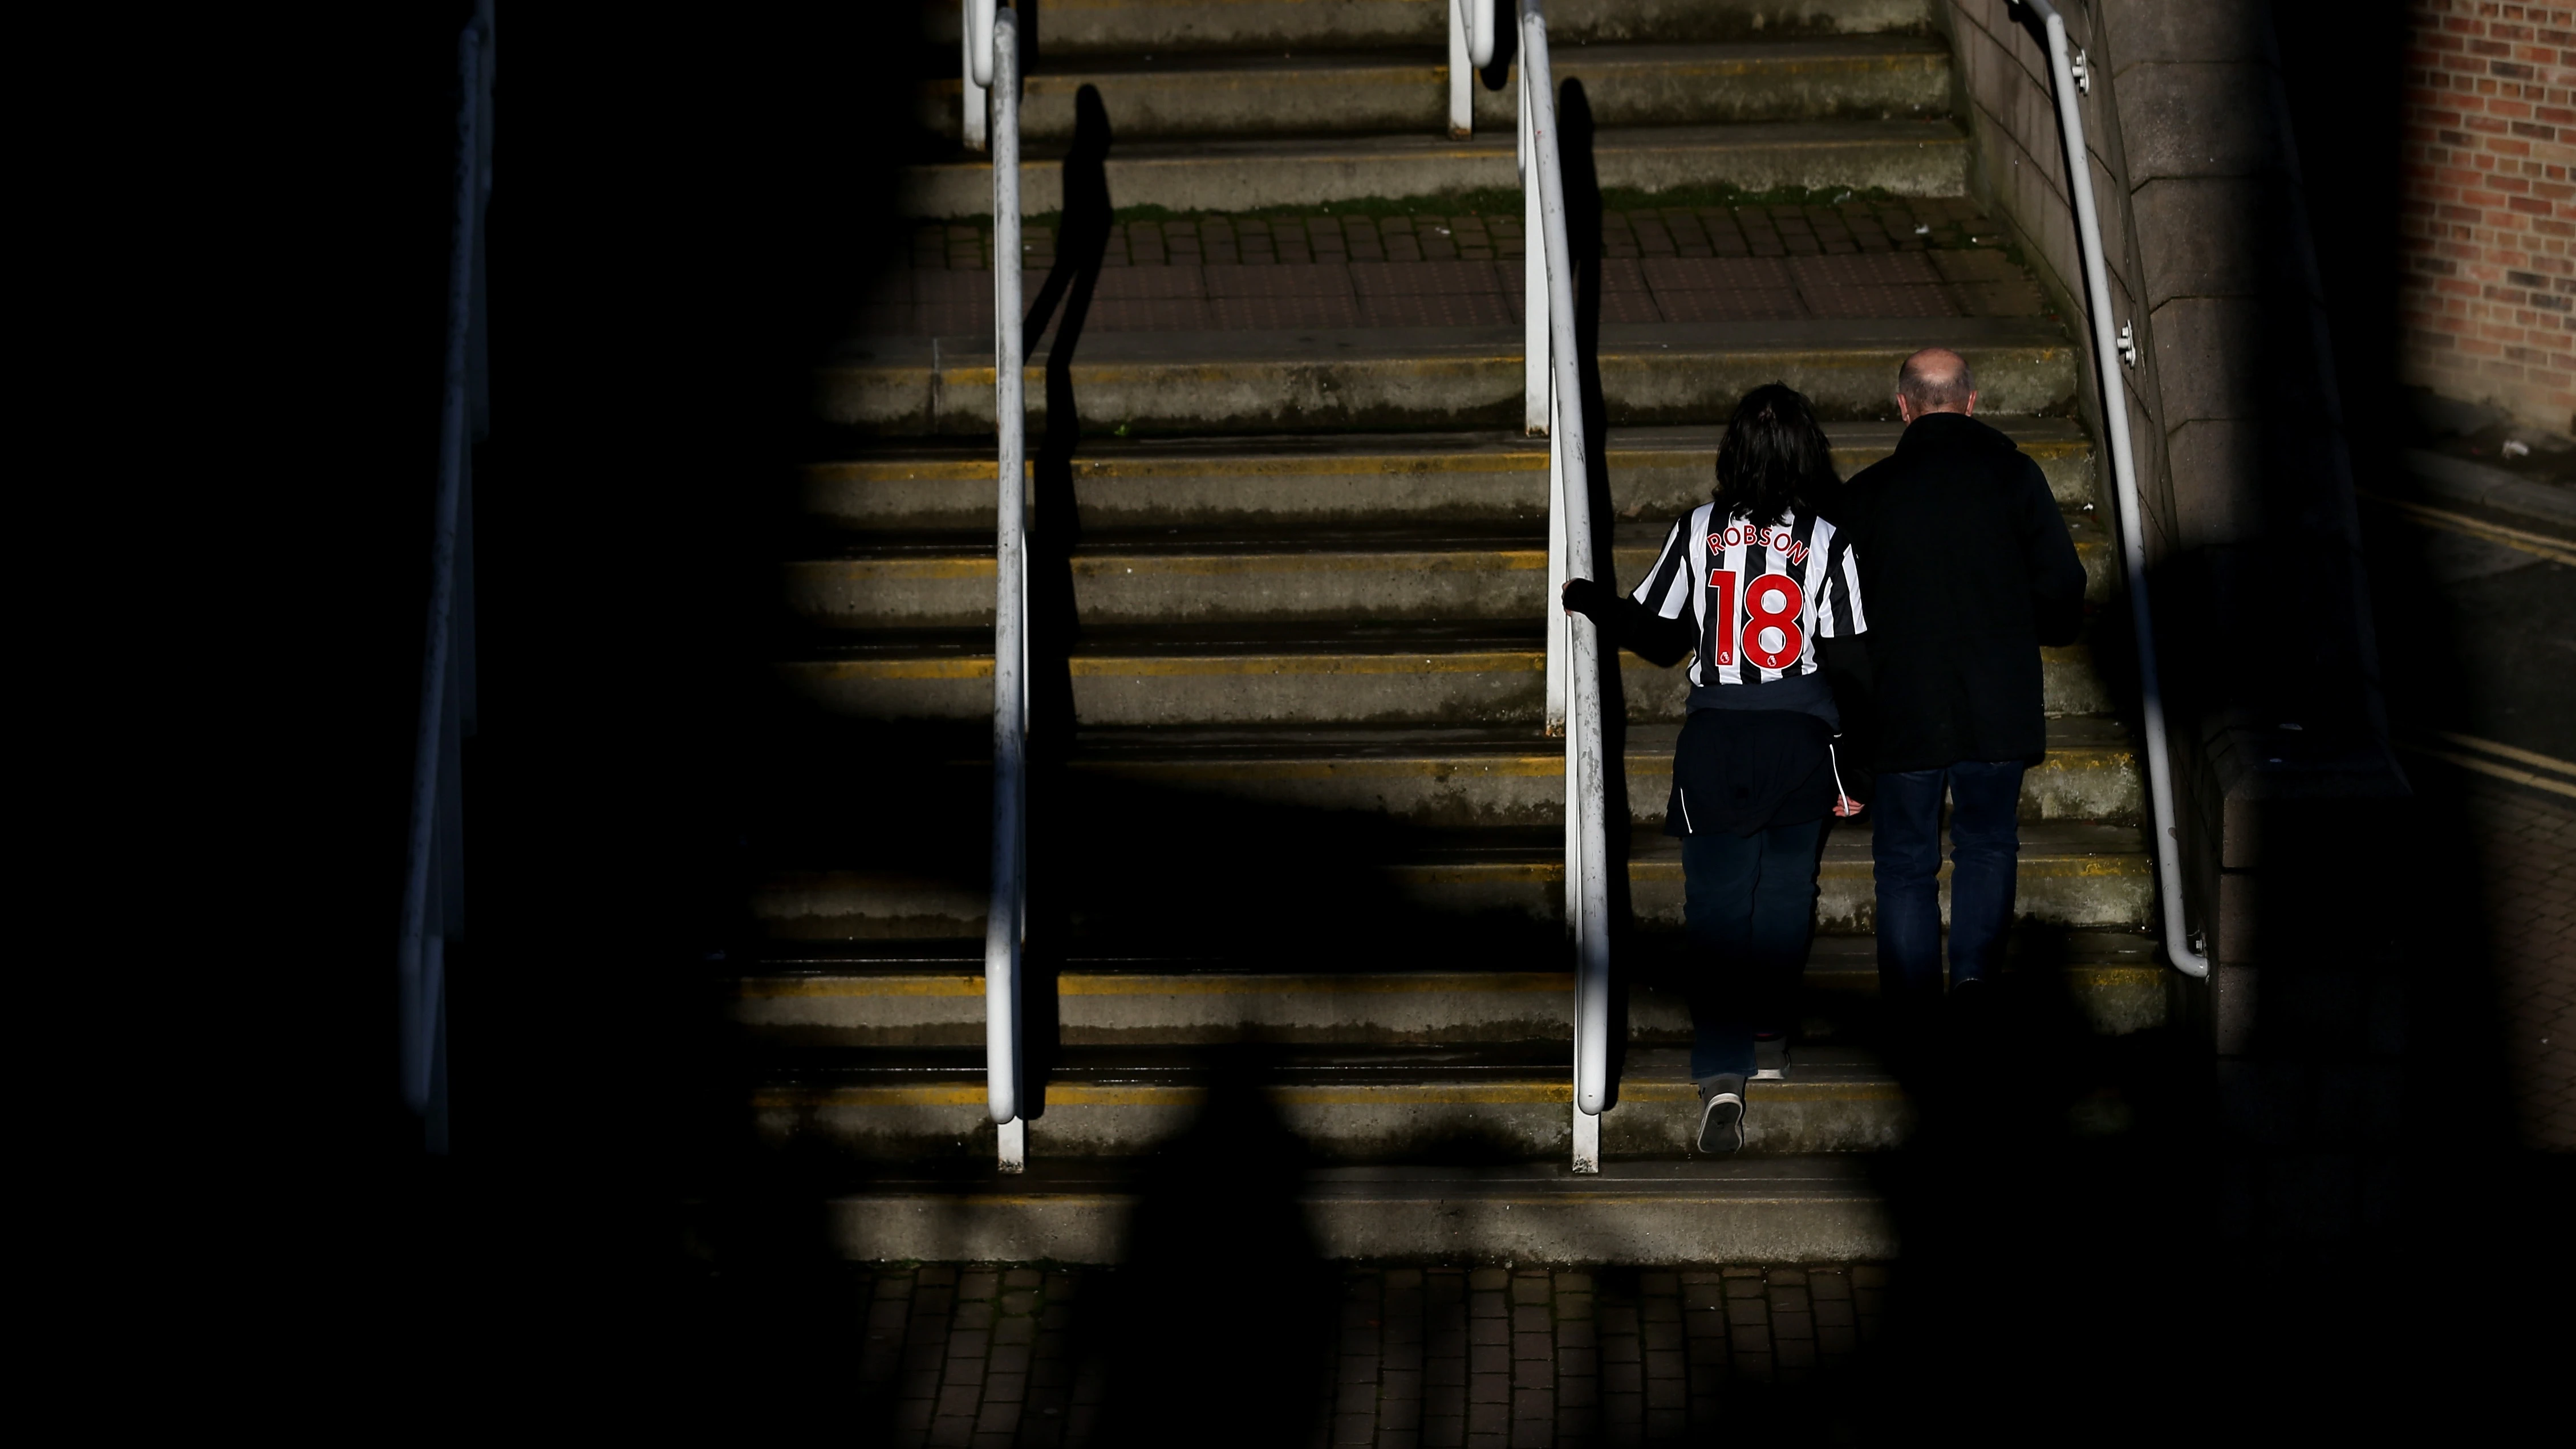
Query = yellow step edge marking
x=907 y=570
x=828 y=987
x=904 y=570
x=1164 y=375
x=1351 y=1094
x=1509 y=460
x=1188 y=665
x=2043 y=867
x=1456 y=561
x=1549 y=766
x=1125 y=985
x=963 y=667
x=1104 y=984
x=1505 y=766
x=2116 y=973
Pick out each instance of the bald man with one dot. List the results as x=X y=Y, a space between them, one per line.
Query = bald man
x=1968 y=569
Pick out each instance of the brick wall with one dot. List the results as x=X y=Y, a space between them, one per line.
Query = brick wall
x=2490 y=291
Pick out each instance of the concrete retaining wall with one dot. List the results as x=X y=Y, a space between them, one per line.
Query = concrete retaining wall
x=2263 y=622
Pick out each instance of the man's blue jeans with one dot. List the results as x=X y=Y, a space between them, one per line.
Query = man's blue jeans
x=1749 y=904
x=1985 y=846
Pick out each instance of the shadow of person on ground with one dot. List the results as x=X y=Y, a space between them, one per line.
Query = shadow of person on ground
x=1219 y=1324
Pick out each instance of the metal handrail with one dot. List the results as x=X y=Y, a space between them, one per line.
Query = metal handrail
x=975 y=66
x=2070 y=77
x=1006 y=916
x=1574 y=641
x=432 y=848
x=1471 y=49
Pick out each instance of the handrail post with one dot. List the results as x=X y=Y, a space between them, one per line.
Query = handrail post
x=1534 y=408
x=1462 y=119
x=2180 y=947
x=1471 y=48
x=1587 y=826
x=974 y=24
x=1538 y=393
x=1006 y=916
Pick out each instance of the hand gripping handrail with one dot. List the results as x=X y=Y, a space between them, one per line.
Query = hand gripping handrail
x=1471 y=49
x=1006 y=916
x=2181 y=945
x=1573 y=637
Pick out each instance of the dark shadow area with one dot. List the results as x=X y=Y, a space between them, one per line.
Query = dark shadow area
x=2075 y=1206
x=1582 y=183
x=1498 y=72
x=1184 y=1348
x=2104 y=1237
x=1055 y=532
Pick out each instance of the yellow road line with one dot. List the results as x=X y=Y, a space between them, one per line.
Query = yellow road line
x=2501 y=772
x=2540 y=545
x=2528 y=757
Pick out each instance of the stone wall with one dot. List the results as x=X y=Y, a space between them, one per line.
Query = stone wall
x=2263 y=626
x=2489 y=296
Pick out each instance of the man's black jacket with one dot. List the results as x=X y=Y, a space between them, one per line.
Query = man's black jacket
x=1966 y=569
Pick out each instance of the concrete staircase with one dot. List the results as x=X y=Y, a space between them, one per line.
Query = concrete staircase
x=1307 y=801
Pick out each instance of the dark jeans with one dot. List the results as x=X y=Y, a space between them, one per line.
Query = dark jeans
x=1749 y=903
x=1985 y=845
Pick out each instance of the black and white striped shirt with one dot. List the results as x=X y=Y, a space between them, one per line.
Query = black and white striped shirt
x=1775 y=591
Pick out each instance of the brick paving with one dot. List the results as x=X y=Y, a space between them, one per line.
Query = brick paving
x=1678 y=264
x=1476 y=1358
x=2529 y=843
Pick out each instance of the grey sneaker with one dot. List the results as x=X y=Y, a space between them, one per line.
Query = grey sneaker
x=1771 y=1059
x=1721 y=1114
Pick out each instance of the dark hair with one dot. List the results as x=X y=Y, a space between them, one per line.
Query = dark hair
x=1774 y=459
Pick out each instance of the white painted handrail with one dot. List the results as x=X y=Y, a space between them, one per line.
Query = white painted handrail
x=975 y=62
x=1574 y=640
x=2070 y=81
x=1006 y=916
x=1471 y=49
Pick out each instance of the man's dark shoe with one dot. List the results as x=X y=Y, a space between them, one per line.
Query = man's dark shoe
x=1771 y=1059
x=1721 y=1114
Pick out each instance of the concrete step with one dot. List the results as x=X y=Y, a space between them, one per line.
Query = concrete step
x=1905 y=156
x=1096 y=27
x=1277 y=579
x=1445 y=779
x=1464 y=780
x=1361 y=676
x=2072 y=875
x=1369 y=268
x=1819 y=1209
x=1461 y=480
x=1421 y=1105
x=931 y=994
x=1184 y=95
x=1392 y=378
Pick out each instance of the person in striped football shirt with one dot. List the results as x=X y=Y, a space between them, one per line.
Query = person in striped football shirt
x=1757 y=586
